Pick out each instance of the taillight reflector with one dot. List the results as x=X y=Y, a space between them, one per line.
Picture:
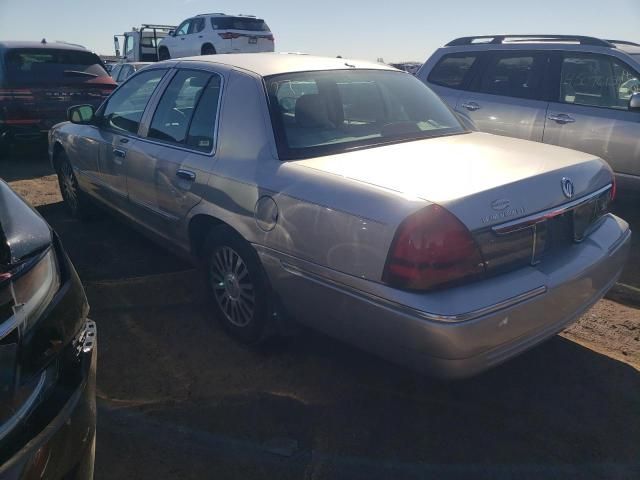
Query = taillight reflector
x=431 y=248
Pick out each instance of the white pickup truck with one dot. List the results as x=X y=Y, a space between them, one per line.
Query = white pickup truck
x=141 y=43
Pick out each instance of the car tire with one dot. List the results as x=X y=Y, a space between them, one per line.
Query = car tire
x=207 y=49
x=241 y=296
x=163 y=54
x=77 y=202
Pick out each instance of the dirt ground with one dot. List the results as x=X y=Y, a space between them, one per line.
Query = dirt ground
x=179 y=399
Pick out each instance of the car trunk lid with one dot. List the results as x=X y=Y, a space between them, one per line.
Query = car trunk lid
x=488 y=181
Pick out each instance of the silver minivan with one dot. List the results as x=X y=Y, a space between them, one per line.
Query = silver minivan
x=577 y=92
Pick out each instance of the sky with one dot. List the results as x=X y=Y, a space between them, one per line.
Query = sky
x=396 y=31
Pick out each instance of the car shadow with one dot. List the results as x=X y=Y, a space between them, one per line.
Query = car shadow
x=26 y=162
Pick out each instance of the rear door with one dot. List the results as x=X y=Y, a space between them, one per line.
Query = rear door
x=167 y=180
x=590 y=111
x=508 y=97
x=119 y=122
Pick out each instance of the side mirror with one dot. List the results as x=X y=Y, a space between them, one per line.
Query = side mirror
x=634 y=102
x=116 y=46
x=81 y=114
x=171 y=33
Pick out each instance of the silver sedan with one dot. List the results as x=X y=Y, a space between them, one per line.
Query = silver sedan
x=346 y=196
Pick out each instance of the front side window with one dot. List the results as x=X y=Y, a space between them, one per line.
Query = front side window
x=183 y=28
x=452 y=70
x=129 y=46
x=325 y=112
x=126 y=71
x=597 y=81
x=179 y=102
x=514 y=75
x=125 y=107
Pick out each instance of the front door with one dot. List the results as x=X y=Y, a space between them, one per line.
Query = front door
x=118 y=128
x=179 y=43
x=508 y=96
x=591 y=110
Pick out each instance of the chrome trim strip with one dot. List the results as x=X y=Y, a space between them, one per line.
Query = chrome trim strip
x=434 y=317
x=153 y=209
x=528 y=222
x=9 y=425
x=98 y=181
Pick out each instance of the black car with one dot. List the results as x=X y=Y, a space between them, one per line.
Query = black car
x=47 y=352
x=39 y=81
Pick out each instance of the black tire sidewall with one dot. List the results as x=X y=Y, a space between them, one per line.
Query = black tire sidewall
x=83 y=209
x=163 y=54
x=208 y=47
x=259 y=328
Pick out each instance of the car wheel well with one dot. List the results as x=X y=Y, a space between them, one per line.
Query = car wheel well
x=57 y=150
x=207 y=46
x=199 y=228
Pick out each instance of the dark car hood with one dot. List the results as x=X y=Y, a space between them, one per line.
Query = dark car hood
x=23 y=231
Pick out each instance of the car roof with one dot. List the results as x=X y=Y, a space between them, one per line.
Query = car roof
x=265 y=64
x=10 y=44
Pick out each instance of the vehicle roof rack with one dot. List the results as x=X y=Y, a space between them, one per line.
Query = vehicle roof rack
x=498 y=39
x=624 y=42
x=151 y=25
x=214 y=13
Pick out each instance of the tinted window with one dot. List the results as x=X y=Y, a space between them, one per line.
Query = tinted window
x=172 y=117
x=452 y=70
x=125 y=73
x=239 y=23
x=126 y=106
x=204 y=119
x=197 y=25
x=28 y=66
x=597 y=81
x=326 y=112
x=514 y=75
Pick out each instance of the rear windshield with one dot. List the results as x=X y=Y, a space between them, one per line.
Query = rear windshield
x=326 y=112
x=29 y=66
x=239 y=23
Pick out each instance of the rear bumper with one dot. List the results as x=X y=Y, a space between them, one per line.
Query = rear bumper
x=521 y=308
x=65 y=448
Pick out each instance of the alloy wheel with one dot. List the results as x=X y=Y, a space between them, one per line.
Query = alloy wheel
x=232 y=287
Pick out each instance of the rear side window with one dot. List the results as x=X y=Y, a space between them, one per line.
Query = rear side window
x=453 y=70
x=239 y=23
x=126 y=106
x=187 y=110
x=30 y=66
x=597 y=81
x=514 y=75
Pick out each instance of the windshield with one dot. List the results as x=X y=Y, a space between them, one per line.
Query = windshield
x=239 y=23
x=326 y=112
x=29 y=66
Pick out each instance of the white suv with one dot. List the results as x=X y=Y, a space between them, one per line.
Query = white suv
x=212 y=33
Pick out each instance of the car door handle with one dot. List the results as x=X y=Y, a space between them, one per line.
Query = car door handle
x=561 y=118
x=471 y=106
x=186 y=175
x=118 y=155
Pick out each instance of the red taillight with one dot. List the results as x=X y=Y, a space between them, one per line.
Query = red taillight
x=229 y=35
x=431 y=248
x=270 y=38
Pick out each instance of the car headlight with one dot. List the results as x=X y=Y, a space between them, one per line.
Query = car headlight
x=31 y=287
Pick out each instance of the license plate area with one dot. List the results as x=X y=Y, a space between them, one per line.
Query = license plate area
x=253 y=40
